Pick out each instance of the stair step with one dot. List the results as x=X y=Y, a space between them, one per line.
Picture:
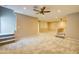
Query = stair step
x=6 y=37
x=7 y=41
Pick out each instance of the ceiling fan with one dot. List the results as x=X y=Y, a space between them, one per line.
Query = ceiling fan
x=41 y=11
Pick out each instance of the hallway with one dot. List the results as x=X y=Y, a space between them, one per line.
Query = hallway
x=42 y=43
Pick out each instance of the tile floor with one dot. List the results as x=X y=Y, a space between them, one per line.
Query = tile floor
x=43 y=43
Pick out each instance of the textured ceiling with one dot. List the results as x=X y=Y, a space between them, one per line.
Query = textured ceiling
x=56 y=10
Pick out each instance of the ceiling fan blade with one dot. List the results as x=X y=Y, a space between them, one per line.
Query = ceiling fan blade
x=43 y=8
x=37 y=13
x=47 y=11
x=36 y=10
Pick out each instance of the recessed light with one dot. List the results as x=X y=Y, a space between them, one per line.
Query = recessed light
x=24 y=8
x=59 y=11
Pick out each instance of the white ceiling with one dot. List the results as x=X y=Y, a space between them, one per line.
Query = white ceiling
x=56 y=10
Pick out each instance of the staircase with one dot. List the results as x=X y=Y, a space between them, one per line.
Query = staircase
x=7 y=38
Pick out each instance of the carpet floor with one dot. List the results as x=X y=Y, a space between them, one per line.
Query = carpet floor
x=43 y=43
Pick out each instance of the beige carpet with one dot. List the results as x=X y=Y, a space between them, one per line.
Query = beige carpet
x=42 y=43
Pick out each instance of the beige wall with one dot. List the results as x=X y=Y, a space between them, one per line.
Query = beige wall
x=73 y=26
x=26 y=26
x=43 y=26
x=52 y=26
